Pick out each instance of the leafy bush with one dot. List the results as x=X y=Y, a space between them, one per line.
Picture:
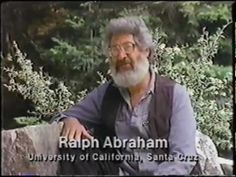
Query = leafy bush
x=47 y=97
x=210 y=86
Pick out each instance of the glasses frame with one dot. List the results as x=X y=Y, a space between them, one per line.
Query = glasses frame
x=115 y=49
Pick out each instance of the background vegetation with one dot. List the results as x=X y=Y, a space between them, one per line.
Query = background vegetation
x=63 y=43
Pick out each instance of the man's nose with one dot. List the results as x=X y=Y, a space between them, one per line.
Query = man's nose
x=121 y=54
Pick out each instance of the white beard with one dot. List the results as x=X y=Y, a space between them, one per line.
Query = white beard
x=132 y=77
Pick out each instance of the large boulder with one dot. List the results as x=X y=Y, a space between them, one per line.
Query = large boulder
x=18 y=146
x=208 y=155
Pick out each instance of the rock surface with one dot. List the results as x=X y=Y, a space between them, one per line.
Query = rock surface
x=208 y=155
x=18 y=146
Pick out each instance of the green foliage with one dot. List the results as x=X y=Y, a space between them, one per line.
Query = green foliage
x=36 y=86
x=24 y=121
x=215 y=13
x=221 y=72
x=75 y=50
x=197 y=11
x=72 y=57
x=77 y=57
x=209 y=86
x=209 y=15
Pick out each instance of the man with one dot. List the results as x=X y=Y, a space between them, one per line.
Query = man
x=136 y=103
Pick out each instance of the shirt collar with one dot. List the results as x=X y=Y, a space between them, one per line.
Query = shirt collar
x=152 y=81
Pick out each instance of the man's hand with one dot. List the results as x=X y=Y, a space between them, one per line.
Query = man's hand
x=73 y=129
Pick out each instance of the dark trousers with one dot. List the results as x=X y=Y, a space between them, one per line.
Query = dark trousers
x=87 y=167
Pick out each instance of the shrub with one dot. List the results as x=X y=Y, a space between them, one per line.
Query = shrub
x=46 y=96
x=209 y=86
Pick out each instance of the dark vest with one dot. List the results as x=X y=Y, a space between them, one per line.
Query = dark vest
x=159 y=113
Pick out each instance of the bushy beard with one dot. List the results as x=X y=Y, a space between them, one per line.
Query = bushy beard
x=131 y=77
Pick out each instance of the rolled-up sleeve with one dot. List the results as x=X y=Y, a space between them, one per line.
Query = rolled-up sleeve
x=182 y=135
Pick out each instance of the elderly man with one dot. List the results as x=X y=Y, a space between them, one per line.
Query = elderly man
x=136 y=103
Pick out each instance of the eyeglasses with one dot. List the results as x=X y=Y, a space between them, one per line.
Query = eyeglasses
x=128 y=47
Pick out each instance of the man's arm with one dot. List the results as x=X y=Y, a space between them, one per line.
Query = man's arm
x=85 y=114
x=88 y=109
x=182 y=134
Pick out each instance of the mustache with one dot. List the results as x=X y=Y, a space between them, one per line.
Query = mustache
x=120 y=63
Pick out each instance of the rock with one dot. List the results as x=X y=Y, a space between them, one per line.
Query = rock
x=208 y=155
x=226 y=161
x=19 y=144
x=226 y=165
x=228 y=169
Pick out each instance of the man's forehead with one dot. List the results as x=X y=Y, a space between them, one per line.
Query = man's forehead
x=122 y=38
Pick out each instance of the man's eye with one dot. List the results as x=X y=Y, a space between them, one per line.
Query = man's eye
x=114 y=48
x=128 y=47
